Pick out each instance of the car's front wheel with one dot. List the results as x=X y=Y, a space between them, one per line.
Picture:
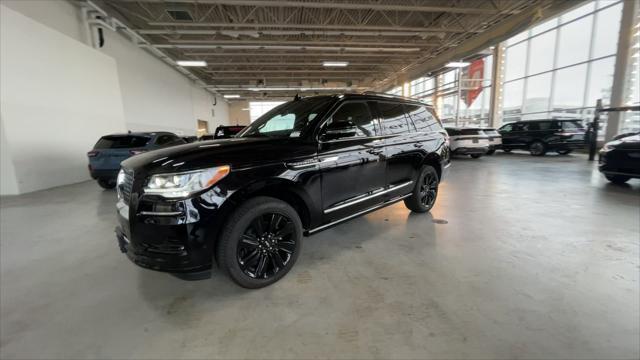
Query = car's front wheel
x=425 y=191
x=537 y=148
x=476 y=156
x=107 y=183
x=491 y=151
x=617 y=179
x=260 y=242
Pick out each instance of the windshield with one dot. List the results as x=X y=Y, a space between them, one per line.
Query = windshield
x=290 y=119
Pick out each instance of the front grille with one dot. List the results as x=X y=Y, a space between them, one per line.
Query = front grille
x=126 y=186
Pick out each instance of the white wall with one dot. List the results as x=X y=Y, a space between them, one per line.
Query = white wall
x=57 y=97
x=51 y=78
x=239 y=113
x=8 y=182
x=155 y=96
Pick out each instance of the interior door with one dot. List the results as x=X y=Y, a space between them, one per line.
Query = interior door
x=352 y=161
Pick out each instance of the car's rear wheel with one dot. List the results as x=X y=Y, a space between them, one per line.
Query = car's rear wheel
x=564 y=151
x=491 y=152
x=617 y=179
x=537 y=148
x=476 y=156
x=107 y=183
x=507 y=150
x=260 y=242
x=425 y=191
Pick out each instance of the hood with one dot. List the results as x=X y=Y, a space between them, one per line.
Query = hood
x=236 y=152
x=631 y=142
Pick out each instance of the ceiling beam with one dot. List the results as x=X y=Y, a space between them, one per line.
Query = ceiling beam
x=306 y=71
x=313 y=42
x=341 y=5
x=336 y=27
x=285 y=47
x=289 y=55
x=293 y=77
x=257 y=33
x=285 y=63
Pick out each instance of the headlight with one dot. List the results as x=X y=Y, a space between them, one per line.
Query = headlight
x=179 y=185
x=610 y=146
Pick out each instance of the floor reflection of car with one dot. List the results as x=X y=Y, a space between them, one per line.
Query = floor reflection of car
x=495 y=139
x=225 y=132
x=304 y=166
x=468 y=141
x=540 y=136
x=111 y=150
x=619 y=159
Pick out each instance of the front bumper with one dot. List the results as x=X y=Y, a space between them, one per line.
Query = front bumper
x=170 y=236
x=610 y=164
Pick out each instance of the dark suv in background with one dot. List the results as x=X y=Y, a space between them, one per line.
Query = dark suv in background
x=540 y=136
x=111 y=150
x=304 y=166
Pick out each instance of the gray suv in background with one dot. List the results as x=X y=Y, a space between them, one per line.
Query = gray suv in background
x=111 y=150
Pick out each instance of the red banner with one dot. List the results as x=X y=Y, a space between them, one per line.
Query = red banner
x=472 y=81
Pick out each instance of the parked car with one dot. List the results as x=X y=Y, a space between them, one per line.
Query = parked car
x=225 y=132
x=619 y=160
x=304 y=166
x=111 y=150
x=495 y=139
x=468 y=141
x=541 y=136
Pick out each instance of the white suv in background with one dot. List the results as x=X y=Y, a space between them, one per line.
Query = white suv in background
x=495 y=139
x=468 y=141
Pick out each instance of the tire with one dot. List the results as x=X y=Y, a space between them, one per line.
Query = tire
x=507 y=150
x=617 y=179
x=491 y=152
x=476 y=156
x=537 y=148
x=564 y=151
x=425 y=191
x=251 y=233
x=107 y=184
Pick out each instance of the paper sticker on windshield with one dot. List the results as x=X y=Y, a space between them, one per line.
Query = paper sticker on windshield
x=295 y=134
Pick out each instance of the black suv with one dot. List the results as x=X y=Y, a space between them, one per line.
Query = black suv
x=540 y=136
x=302 y=167
x=619 y=159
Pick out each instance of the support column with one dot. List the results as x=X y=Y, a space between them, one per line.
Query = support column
x=495 y=100
x=622 y=64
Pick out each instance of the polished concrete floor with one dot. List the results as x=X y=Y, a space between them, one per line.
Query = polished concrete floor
x=522 y=257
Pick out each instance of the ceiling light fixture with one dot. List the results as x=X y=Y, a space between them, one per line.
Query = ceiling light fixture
x=457 y=64
x=231 y=96
x=199 y=63
x=335 y=63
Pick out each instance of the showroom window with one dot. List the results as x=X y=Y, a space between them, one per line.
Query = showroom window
x=558 y=69
x=259 y=108
x=395 y=91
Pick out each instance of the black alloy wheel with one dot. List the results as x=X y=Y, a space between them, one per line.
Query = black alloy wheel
x=424 y=192
x=259 y=242
x=537 y=148
x=267 y=246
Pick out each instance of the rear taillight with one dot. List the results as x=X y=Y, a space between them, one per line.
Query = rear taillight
x=93 y=153
x=136 y=152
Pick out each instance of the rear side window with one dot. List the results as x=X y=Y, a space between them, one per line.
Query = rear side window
x=422 y=118
x=393 y=118
x=572 y=125
x=166 y=139
x=121 y=142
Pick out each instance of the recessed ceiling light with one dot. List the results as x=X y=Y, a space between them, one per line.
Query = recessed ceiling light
x=335 y=63
x=191 y=63
x=231 y=96
x=457 y=64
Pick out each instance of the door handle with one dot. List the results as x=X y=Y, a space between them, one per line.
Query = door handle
x=418 y=145
x=375 y=151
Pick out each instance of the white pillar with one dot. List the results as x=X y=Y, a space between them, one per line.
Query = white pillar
x=625 y=42
x=495 y=102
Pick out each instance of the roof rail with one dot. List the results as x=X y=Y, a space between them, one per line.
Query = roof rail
x=391 y=96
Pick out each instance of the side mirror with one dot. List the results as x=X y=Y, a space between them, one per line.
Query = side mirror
x=338 y=130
